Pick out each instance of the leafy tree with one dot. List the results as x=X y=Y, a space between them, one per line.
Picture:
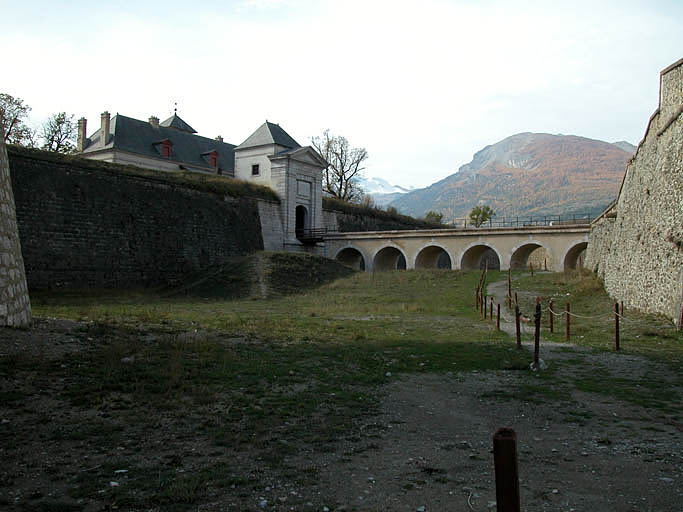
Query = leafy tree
x=434 y=217
x=59 y=133
x=481 y=214
x=345 y=165
x=13 y=113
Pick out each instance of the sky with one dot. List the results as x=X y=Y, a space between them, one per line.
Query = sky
x=422 y=85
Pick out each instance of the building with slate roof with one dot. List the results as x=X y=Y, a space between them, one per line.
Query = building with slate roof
x=168 y=146
x=269 y=157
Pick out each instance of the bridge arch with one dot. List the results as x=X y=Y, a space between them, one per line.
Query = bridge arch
x=519 y=255
x=476 y=253
x=351 y=257
x=433 y=255
x=389 y=257
x=571 y=256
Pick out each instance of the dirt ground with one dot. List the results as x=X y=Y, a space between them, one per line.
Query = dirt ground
x=428 y=448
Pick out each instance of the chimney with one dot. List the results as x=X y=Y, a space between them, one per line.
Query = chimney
x=82 y=140
x=154 y=121
x=219 y=138
x=104 y=127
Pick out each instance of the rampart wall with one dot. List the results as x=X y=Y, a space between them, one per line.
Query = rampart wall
x=15 y=307
x=85 y=224
x=637 y=249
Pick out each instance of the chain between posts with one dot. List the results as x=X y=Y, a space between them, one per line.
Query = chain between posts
x=486 y=303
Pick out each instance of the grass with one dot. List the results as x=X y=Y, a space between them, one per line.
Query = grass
x=215 y=184
x=593 y=326
x=400 y=221
x=264 y=377
x=270 y=378
x=649 y=336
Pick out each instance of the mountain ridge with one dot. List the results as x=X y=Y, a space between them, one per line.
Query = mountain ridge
x=528 y=174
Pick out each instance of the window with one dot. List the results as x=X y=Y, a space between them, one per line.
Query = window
x=255 y=170
x=166 y=148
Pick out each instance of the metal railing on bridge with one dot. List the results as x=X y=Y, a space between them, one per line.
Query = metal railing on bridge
x=524 y=221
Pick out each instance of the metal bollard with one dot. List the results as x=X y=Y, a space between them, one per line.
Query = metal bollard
x=616 y=326
x=507 y=477
x=537 y=331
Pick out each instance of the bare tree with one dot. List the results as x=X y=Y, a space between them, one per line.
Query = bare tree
x=13 y=113
x=59 y=133
x=344 y=168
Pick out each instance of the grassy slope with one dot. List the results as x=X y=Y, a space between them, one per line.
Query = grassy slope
x=269 y=377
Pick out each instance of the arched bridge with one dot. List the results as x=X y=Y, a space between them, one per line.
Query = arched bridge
x=554 y=247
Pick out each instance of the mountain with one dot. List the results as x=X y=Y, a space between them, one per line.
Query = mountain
x=381 y=190
x=626 y=146
x=528 y=174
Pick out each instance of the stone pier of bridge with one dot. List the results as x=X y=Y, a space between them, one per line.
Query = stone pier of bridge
x=557 y=247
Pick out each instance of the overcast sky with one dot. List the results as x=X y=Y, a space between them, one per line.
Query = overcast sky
x=421 y=85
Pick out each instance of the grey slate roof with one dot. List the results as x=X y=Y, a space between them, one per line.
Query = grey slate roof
x=269 y=133
x=175 y=122
x=140 y=137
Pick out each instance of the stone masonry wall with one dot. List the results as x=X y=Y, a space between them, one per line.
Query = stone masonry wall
x=641 y=257
x=271 y=225
x=15 y=307
x=92 y=226
x=600 y=242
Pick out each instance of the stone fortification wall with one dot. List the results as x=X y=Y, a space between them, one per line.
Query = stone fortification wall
x=271 y=225
x=600 y=241
x=345 y=218
x=86 y=224
x=15 y=307
x=640 y=257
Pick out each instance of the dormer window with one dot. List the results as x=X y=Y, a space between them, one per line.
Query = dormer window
x=166 y=148
x=211 y=157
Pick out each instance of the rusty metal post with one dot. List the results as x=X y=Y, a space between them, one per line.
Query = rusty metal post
x=566 y=330
x=580 y=263
x=491 y=310
x=509 y=290
x=531 y=268
x=537 y=331
x=545 y=264
x=517 y=328
x=498 y=319
x=616 y=326
x=551 y=315
x=505 y=464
